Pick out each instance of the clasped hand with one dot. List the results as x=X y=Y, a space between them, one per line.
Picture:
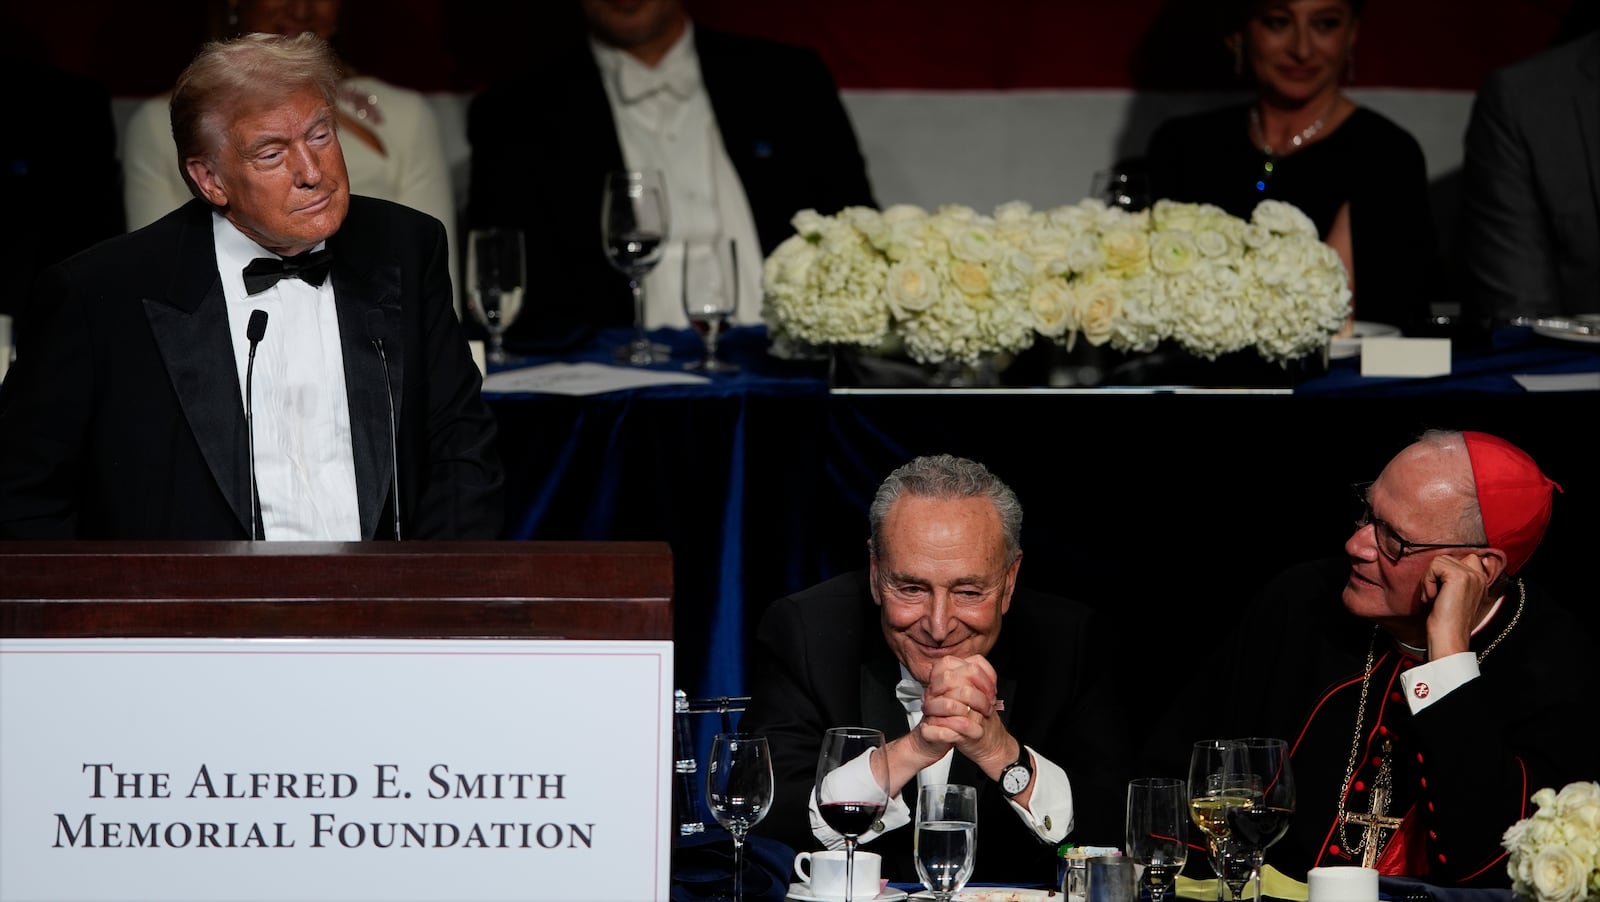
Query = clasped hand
x=958 y=709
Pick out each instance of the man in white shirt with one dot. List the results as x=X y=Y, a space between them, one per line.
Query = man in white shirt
x=747 y=132
x=914 y=647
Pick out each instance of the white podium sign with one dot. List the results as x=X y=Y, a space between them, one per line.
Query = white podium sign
x=300 y=769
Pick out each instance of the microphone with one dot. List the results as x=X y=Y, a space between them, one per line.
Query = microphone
x=256 y=328
x=377 y=331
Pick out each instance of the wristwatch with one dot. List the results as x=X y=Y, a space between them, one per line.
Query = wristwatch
x=1017 y=776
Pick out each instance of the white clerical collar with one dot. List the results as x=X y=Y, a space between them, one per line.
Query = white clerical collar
x=678 y=72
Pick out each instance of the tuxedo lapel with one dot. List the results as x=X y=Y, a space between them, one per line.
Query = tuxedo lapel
x=361 y=284
x=190 y=326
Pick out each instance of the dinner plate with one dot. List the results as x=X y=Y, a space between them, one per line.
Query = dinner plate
x=1592 y=319
x=797 y=892
x=1340 y=348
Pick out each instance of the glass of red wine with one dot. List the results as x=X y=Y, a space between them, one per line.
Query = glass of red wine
x=852 y=787
x=1256 y=826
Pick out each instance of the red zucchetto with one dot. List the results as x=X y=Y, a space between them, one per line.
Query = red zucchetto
x=1514 y=496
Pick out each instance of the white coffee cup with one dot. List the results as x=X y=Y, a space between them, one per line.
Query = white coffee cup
x=822 y=874
x=1342 y=884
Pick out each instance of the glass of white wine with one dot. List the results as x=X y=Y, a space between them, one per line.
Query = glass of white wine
x=496 y=273
x=1216 y=783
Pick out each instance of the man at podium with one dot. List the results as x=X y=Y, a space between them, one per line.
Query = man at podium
x=275 y=359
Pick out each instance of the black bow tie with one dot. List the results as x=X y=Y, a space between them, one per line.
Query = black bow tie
x=264 y=272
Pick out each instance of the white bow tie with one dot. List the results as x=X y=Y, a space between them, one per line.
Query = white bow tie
x=635 y=83
x=909 y=692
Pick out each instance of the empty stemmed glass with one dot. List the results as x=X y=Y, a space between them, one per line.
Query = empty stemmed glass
x=1158 y=811
x=946 y=840
x=852 y=787
x=739 y=790
x=495 y=282
x=710 y=296
x=633 y=226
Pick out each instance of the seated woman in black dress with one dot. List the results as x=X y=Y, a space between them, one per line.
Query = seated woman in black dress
x=1359 y=176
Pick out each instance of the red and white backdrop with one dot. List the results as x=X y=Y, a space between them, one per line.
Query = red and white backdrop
x=954 y=100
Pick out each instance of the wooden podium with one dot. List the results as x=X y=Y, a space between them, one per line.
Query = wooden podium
x=467 y=721
x=521 y=590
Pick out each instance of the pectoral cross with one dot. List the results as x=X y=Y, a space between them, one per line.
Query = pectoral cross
x=1374 y=821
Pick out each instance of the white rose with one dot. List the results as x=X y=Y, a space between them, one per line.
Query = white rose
x=1173 y=251
x=1282 y=218
x=911 y=287
x=1558 y=876
x=1126 y=250
x=971 y=278
x=1051 y=304
x=1095 y=308
x=973 y=244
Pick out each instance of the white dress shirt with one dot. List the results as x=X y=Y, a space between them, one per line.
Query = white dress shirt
x=304 y=459
x=664 y=121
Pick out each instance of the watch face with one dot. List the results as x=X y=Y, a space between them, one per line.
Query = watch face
x=1014 y=780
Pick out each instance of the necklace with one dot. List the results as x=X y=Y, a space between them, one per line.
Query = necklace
x=1259 y=137
x=1361 y=714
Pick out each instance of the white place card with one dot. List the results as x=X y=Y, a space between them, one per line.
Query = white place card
x=1416 y=357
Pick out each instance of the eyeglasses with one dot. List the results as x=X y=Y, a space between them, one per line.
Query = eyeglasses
x=1389 y=542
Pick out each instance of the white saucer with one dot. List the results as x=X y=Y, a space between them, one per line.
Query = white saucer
x=1340 y=348
x=797 y=892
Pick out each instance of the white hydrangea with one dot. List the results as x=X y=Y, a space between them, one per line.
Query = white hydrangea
x=955 y=284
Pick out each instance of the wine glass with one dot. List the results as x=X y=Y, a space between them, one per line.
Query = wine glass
x=852 y=787
x=1216 y=784
x=496 y=271
x=1119 y=187
x=946 y=838
x=710 y=296
x=1158 y=810
x=1264 y=821
x=633 y=226
x=739 y=790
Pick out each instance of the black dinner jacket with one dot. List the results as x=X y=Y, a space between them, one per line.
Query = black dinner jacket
x=781 y=120
x=123 y=416
x=821 y=660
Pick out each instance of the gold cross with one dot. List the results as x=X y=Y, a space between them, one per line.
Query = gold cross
x=1372 y=838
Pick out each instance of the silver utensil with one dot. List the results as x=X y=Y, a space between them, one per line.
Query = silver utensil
x=1558 y=324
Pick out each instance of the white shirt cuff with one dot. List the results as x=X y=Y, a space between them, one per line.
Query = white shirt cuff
x=1049 y=809
x=1425 y=684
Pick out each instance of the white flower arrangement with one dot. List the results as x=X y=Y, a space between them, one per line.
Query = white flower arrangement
x=1555 y=854
x=957 y=285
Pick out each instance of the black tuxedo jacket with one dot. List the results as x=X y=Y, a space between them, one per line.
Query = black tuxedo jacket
x=782 y=124
x=123 y=417
x=821 y=661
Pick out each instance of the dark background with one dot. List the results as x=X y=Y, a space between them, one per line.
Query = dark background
x=137 y=49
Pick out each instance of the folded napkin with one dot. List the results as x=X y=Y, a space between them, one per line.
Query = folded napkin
x=1273 y=883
